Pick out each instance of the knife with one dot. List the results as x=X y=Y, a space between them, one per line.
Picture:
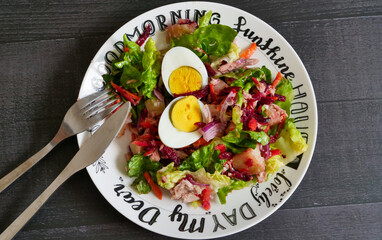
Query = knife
x=91 y=150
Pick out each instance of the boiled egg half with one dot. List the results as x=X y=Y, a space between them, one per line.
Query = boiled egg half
x=183 y=71
x=177 y=127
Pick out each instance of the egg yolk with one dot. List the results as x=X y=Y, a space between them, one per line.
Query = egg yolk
x=185 y=113
x=185 y=79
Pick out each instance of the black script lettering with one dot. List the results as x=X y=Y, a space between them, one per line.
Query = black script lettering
x=301 y=107
x=110 y=56
x=148 y=22
x=247 y=32
x=283 y=68
x=131 y=36
x=301 y=119
x=215 y=18
x=269 y=191
x=161 y=19
x=250 y=211
x=278 y=60
x=217 y=224
x=241 y=21
x=274 y=187
x=266 y=45
x=175 y=16
x=273 y=51
x=179 y=216
x=138 y=204
x=152 y=219
x=231 y=219
x=119 y=46
x=263 y=198
x=289 y=75
x=298 y=94
x=287 y=182
x=198 y=14
x=127 y=197
x=118 y=188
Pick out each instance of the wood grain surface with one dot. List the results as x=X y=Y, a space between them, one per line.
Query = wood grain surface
x=46 y=47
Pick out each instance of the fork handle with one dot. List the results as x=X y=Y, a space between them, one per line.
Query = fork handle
x=25 y=166
x=28 y=213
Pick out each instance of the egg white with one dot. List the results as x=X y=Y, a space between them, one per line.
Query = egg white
x=172 y=137
x=178 y=57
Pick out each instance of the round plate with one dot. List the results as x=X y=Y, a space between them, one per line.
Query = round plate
x=245 y=207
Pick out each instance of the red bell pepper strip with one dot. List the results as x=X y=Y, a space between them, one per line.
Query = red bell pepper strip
x=141 y=143
x=277 y=80
x=248 y=52
x=275 y=152
x=252 y=124
x=221 y=147
x=153 y=186
x=200 y=143
x=206 y=193
x=213 y=94
x=134 y=99
x=149 y=152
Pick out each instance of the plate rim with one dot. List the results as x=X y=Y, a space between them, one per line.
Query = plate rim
x=314 y=120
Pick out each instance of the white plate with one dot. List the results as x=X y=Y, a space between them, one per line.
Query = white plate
x=244 y=208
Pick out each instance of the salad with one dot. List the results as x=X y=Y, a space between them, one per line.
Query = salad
x=204 y=120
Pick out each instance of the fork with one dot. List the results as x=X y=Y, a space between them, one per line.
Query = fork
x=81 y=116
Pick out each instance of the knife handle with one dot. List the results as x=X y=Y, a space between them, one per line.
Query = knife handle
x=25 y=166
x=28 y=213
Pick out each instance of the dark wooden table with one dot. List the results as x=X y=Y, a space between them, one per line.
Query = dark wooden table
x=46 y=47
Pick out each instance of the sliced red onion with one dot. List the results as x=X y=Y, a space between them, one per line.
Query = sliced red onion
x=158 y=94
x=191 y=179
x=212 y=130
x=146 y=33
x=207 y=114
x=265 y=152
x=229 y=101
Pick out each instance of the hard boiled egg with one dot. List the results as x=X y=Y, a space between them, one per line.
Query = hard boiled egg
x=176 y=127
x=183 y=71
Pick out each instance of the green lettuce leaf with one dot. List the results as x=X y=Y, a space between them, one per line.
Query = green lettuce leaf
x=236 y=185
x=215 y=180
x=236 y=117
x=205 y=20
x=168 y=176
x=273 y=164
x=290 y=142
x=285 y=88
x=237 y=141
x=214 y=39
x=136 y=166
x=139 y=164
x=141 y=185
x=204 y=157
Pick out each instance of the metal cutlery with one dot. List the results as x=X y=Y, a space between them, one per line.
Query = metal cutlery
x=91 y=150
x=82 y=115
